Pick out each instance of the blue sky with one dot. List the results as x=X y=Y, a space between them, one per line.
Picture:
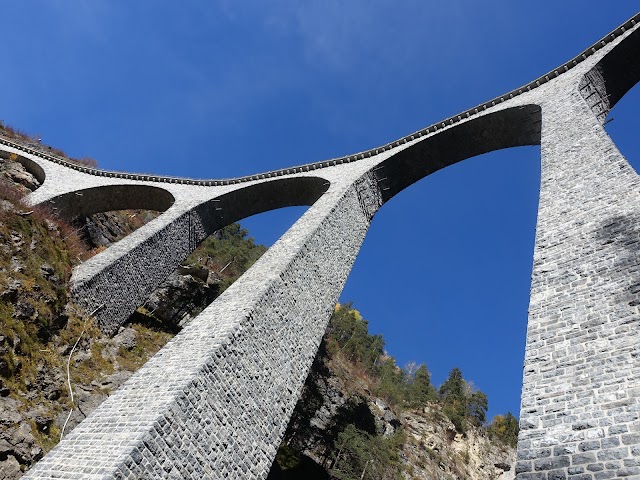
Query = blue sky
x=214 y=89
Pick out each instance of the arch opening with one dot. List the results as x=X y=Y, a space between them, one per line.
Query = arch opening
x=83 y=203
x=227 y=251
x=621 y=125
x=452 y=257
x=511 y=127
x=106 y=214
x=262 y=197
x=268 y=227
x=21 y=171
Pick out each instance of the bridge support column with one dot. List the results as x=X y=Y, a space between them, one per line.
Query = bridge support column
x=113 y=284
x=215 y=402
x=580 y=403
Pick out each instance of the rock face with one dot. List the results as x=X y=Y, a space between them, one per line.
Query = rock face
x=183 y=296
x=17 y=444
x=15 y=173
x=434 y=450
x=103 y=229
x=431 y=449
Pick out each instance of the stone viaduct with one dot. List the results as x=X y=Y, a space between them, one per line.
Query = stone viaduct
x=214 y=403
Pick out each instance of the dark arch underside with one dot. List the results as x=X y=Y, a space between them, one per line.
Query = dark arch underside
x=107 y=198
x=262 y=197
x=621 y=67
x=512 y=127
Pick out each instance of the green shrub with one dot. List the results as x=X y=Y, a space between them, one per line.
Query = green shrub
x=504 y=428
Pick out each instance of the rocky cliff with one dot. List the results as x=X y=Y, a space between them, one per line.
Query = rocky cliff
x=339 y=397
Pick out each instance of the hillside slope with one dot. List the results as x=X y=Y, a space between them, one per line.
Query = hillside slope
x=361 y=417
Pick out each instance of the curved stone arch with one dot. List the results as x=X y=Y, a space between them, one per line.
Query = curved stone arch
x=29 y=165
x=613 y=76
x=32 y=167
x=107 y=285
x=89 y=201
x=259 y=198
x=510 y=127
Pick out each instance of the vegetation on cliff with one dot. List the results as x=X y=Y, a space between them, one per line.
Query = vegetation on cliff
x=38 y=255
x=34 y=142
x=229 y=252
x=410 y=387
x=351 y=420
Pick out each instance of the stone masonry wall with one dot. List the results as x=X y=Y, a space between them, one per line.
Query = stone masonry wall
x=116 y=290
x=115 y=282
x=594 y=91
x=581 y=396
x=215 y=402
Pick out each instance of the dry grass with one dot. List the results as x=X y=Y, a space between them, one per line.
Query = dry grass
x=34 y=141
x=41 y=214
x=16 y=134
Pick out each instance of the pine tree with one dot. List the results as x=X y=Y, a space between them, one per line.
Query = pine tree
x=420 y=390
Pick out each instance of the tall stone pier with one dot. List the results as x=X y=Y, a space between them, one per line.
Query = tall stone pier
x=215 y=402
x=580 y=406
